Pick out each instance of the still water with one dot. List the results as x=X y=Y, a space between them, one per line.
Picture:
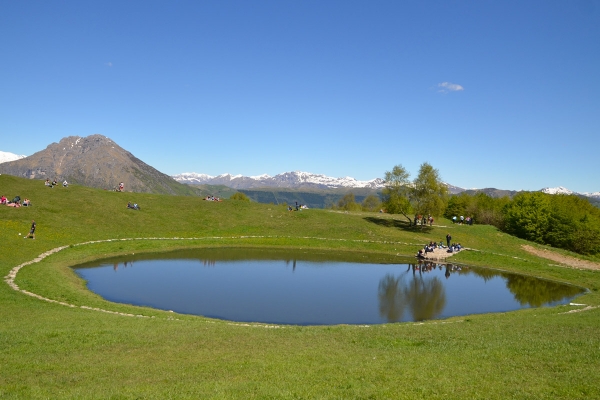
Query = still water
x=314 y=288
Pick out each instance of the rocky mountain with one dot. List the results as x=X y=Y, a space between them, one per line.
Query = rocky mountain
x=286 y=180
x=6 y=157
x=94 y=161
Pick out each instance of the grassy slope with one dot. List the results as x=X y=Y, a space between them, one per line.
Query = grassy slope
x=52 y=351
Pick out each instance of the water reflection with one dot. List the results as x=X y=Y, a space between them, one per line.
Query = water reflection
x=311 y=288
x=424 y=296
x=535 y=293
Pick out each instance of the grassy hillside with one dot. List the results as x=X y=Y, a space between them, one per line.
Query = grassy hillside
x=49 y=350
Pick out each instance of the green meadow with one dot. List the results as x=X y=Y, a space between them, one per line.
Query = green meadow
x=90 y=348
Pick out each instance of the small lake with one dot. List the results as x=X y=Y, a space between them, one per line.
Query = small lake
x=314 y=287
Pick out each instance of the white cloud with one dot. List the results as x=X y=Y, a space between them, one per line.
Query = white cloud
x=446 y=87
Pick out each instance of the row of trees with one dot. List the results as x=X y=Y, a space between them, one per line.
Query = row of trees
x=348 y=203
x=563 y=221
x=483 y=208
x=567 y=222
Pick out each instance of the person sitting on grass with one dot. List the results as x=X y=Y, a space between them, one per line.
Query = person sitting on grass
x=3 y=199
x=16 y=202
x=26 y=202
x=133 y=206
x=65 y=183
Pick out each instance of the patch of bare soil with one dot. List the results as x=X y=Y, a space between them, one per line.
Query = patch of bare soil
x=562 y=259
x=439 y=254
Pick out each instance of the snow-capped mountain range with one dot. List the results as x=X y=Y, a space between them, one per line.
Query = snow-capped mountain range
x=6 y=157
x=563 y=190
x=296 y=179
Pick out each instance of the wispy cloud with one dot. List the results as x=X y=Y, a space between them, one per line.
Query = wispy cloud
x=446 y=87
x=108 y=64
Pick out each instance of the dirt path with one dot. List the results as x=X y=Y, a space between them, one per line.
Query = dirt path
x=559 y=258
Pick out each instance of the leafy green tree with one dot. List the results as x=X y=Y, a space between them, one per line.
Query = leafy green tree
x=396 y=192
x=428 y=193
x=488 y=210
x=457 y=205
x=348 y=203
x=574 y=224
x=528 y=215
x=371 y=203
x=239 y=196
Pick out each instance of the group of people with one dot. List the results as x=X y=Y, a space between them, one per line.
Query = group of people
x=462 y=220
x=16 y=202
x=429 y=248
x=452 y=247
x=423 y=220
x=298 y=207
x=55 y=183
x=212 y=198
x=432 y=246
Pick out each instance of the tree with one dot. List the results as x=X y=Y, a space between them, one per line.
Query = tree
x=371 y=203
x=396 y=192
x=527 y=216
x=348 y=203
x=428 y=193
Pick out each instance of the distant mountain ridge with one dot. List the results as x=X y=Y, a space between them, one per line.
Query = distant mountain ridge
x=307 y=180
x=563 y=190
x=97 y=161
x=287 y=180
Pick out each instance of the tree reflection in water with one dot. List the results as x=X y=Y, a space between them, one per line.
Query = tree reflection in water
x=425 y=297
x=536 y=292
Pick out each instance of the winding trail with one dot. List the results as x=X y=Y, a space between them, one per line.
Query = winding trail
x=438 y=254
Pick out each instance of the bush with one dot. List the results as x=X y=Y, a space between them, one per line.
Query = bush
x=239 y=196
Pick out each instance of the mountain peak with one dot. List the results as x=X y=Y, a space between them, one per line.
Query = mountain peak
x=94 y=161
x=557 y=190
x=6 y=157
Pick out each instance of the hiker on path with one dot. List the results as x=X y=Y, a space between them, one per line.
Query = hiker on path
x=31 y=231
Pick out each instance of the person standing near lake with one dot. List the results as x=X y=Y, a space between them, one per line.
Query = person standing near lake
x=448 y=239
x=31 y=231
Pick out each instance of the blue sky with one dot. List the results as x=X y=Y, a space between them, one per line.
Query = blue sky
x=501 y=94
